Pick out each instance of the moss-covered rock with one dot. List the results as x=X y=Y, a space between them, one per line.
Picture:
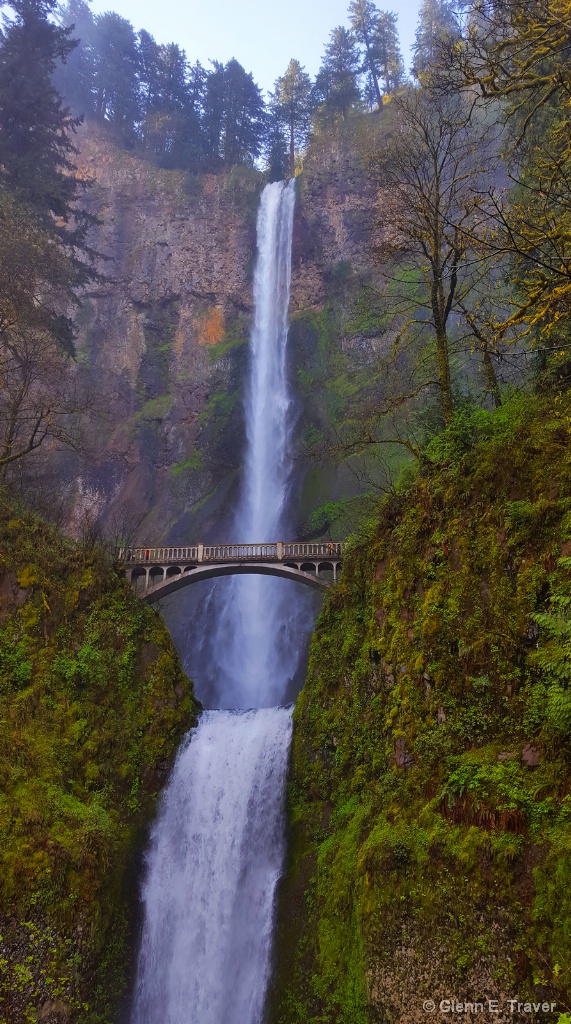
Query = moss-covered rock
x=93 y=703
x=429 y=803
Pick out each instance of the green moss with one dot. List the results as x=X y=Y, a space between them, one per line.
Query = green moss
x=156 y=408
x=243 y=186
x=431 y=762
x=93 y=703
x=189 y=465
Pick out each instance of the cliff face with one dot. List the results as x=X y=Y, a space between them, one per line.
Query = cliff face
x=163 y=340
x=429 y=855
x=339 y=217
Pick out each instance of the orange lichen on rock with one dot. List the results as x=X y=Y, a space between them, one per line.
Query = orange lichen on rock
x=210 y=328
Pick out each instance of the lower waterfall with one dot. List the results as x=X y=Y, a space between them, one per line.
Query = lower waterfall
x=217 y=847
x=213 y=864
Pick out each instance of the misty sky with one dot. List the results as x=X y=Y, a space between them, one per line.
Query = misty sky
x=261 y=34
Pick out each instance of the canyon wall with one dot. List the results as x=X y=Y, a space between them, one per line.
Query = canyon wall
x=164 y=336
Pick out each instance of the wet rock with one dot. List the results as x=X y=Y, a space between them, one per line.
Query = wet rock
x=54 y=1011
x=402 y=758
x=530 y=756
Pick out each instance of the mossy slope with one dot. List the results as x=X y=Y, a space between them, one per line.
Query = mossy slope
x=429 y=804
x=93 y=703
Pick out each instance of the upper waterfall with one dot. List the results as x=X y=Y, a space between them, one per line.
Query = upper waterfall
x=268 y=421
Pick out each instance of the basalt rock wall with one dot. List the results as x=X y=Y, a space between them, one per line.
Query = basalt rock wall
x=163 y=338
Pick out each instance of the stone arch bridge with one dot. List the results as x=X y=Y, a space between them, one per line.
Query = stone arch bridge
x=158 y=571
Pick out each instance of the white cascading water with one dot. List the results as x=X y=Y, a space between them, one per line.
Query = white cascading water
x=217 y=847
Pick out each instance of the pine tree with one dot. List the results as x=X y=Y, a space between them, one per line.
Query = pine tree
x=336 y=84
x=196 y=85
x=73 y=79
x=244 y=116
x=115 y=74
x=364 y=18
x=436 y=26
x=292 y=101
x=167 y=119
x=40 y=190
x=213 y=115
x=387 y=55
x=276 y=148
x=149 y=73
x=233 y=120
x=35 y=147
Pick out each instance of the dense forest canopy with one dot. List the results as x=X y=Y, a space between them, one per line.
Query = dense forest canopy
x=186 y=115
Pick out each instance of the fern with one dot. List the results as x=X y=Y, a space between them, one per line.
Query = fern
x=553 y=656
x=559 y=708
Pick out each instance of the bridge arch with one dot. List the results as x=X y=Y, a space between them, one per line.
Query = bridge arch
x=172 y=583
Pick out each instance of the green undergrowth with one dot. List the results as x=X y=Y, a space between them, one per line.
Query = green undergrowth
x=93 y=703
x=429 y=800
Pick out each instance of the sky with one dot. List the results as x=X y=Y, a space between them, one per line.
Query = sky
x=261 y=34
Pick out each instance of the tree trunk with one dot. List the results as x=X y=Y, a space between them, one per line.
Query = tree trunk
x=490 y=375
x=440 y=312
x=373 y=74
x=444 y=378
x=291 y=151
x=489 y=371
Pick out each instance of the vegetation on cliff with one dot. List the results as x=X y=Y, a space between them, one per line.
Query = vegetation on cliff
x=429 y=795
x=93 y=705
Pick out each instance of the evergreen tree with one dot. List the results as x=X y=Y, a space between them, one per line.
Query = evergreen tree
x=73 y=78
x=149 y=73
x=213 y=115
x=336 y=84
x=386 y=52
x=244 y=116
x=35 y=147
x=196 y=85
x=166 y=121
x=364 y=18
x=115 y=74
x=292 y=102
x=436 y=26
x=276 y=148
x=49 y=258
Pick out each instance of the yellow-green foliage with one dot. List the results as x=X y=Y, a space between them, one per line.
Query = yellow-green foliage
x=93 y=702
x=440 y=672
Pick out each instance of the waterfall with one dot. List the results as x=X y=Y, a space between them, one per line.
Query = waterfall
x=215 y=859
x=217 y=847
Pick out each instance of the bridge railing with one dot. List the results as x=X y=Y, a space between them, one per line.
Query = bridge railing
x=321 y=550
x=201 y=553
x=159 y=555
x=239 y=552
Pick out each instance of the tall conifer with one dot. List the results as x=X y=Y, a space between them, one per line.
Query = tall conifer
x=364 y=18
x=436 y=25
x=336 y=84
x=36 y=150
x=292 y=102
